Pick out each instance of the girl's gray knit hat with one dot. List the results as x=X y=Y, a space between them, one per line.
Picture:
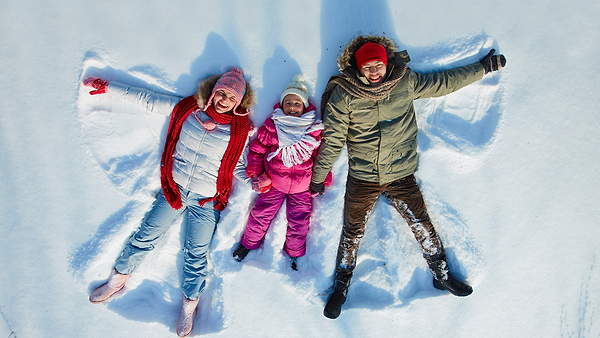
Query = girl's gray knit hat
x=298 y=88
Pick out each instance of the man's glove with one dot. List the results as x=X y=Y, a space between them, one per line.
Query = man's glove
x=98 y=84
x=261 y=184
x=493 y=62
x=316 y=189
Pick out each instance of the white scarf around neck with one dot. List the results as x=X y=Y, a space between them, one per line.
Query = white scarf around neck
x=295 y=143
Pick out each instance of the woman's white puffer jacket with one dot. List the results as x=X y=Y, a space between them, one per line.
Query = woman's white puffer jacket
x=198 y=153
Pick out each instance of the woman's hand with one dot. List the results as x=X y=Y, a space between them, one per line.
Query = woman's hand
x=97 y=83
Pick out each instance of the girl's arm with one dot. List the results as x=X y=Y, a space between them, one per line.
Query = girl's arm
x=318 y=135
x=257 y=152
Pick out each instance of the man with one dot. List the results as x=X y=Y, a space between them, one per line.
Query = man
x=370 y=108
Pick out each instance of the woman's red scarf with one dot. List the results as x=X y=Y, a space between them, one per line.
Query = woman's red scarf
x=240 y=126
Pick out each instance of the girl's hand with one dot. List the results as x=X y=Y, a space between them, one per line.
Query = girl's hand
x=261 y=184
x=97 y=83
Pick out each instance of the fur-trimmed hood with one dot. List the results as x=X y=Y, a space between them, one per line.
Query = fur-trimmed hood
x=346 y=57
x=205 y=89
x=356 y=85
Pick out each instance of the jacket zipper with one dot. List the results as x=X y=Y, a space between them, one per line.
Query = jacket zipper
x=195 y=163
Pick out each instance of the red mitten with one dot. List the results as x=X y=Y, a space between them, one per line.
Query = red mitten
x=262 y=183
x=328 y=179
x=98 y=84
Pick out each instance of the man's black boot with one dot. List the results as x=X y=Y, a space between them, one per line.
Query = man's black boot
x=333 y=308
x=444 y=280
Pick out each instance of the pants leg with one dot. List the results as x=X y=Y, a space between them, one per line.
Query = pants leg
x=406 y=197
x=260 y=217
x=200 y=228
x=359 y=201
x=156 y=222
x=299 y=209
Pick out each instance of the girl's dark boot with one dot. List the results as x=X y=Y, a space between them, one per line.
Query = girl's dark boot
x=240 y=253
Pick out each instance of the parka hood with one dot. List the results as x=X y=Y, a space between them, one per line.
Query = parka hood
x=205 y=89
x=346 y=57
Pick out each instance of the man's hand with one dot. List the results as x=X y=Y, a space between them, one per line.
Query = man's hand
x=493 y=62
x=316 y=189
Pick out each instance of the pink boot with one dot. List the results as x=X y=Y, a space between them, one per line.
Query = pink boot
x=116 y=281
x=186 y=320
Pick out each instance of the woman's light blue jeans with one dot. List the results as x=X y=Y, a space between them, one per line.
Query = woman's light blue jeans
x=199 y=230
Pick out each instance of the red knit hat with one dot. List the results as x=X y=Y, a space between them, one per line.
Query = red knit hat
x=370 y=51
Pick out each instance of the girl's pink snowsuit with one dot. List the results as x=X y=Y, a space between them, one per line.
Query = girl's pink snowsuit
x=291 y=182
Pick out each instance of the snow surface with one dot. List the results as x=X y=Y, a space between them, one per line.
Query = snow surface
x=508 y=168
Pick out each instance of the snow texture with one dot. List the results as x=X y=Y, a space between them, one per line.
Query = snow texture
x=505 y=166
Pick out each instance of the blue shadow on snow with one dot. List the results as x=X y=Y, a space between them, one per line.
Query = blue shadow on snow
x=86 y=252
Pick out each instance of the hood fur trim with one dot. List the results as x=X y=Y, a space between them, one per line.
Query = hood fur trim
x=205 y=89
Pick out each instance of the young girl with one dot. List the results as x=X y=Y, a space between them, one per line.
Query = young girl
x=280 y=162
x=205 y=140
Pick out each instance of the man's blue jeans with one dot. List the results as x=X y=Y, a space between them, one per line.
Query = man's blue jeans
x=199 y=230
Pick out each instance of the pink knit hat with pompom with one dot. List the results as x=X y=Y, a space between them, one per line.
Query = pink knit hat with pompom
x=232 y=82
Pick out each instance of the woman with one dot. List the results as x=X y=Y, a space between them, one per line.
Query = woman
x=205 y=140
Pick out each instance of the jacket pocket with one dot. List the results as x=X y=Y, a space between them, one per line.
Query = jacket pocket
x=362 y=158
x=403 y=156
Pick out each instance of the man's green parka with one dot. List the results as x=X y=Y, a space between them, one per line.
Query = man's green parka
x=381 y=135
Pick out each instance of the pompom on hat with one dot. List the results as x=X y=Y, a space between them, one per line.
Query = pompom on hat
x=298 y=88
x=233 y=82
x=370 y=51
